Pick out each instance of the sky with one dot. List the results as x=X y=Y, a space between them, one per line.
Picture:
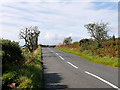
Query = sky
x=56 y=19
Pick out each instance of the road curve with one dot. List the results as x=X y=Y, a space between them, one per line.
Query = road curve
x=64 y=70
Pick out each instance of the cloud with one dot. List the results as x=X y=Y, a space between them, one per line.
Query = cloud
x=62 y=1
x=70 y=35
x=56 y=20
x=51 y=37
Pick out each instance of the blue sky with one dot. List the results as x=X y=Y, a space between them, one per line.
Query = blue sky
x=105 y=5
x=56 y=19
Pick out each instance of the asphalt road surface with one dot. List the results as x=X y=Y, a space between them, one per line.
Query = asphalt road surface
x=64 y=70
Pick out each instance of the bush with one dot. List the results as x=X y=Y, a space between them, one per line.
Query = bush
x=83 y=41
x=88 y=44
x=11 y=52
x=108 y=48
x=27 y=75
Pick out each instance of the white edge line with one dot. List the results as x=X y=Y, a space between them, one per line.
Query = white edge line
x=102 y=80
x=72 y=65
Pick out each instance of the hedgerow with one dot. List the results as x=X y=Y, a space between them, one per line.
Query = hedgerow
x=21 y=69
x=11 y=52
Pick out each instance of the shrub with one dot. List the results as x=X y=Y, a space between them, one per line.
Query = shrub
x=11 y=52
x=27 y=75
x=83 y=41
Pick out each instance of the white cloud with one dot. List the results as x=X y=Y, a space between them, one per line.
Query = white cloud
x=49 y=36
x=65 y=1
x=55 y=20
x=70 y=35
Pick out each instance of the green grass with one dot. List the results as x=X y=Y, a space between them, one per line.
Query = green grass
x=86 y=55
x=28 y=75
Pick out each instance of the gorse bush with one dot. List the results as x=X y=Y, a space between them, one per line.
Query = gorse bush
x=111 y=48
x=82 y=41
x=88 y=44
x=11 y=52
x=107 y=48
x=107 y=54
x=27 y=75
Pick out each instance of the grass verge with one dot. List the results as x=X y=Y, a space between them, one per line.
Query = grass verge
x=27 y=75
x=86 y=55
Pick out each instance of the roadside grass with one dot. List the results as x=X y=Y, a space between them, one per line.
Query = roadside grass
x=96 y=59
x=27 y=75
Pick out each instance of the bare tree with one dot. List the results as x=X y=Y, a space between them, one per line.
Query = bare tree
x=98 y=31
x=30 y=35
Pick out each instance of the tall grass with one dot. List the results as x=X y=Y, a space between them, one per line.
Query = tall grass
x=27 y=75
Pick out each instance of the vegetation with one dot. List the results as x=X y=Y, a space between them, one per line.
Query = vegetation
x=11 y=52
x=88 y=48
x=27 y=73
x=98 y=31
x=101 y=48
x=22 y=68
x=67 y=40
x=30 y=35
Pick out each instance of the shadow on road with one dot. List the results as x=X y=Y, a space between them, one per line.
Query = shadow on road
x=53 y=80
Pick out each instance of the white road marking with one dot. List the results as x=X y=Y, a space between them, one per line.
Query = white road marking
x=61 y=57
x=56 y=53
x=52 y=51
x=112 y=85
x=72 y=65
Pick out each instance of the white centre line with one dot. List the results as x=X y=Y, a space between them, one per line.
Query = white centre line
x=61 y=57
x=52 y=51
x=56 y=53
x=112 y=85
x=72 y=65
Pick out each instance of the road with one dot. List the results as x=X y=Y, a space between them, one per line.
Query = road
x=65 y=70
